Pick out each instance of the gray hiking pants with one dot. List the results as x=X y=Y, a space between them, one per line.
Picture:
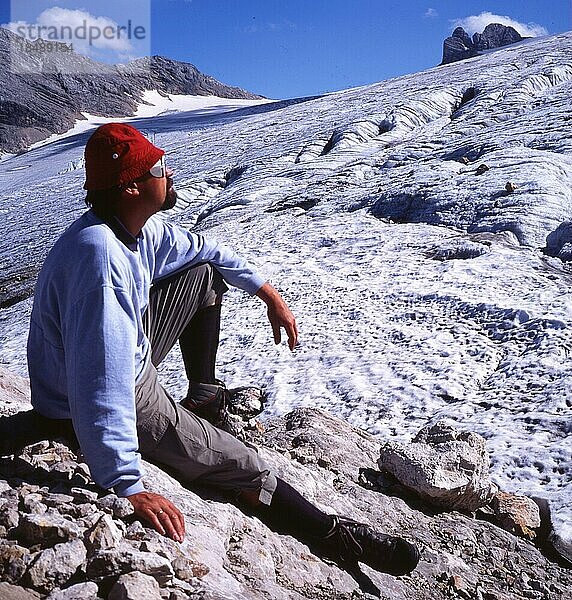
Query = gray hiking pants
x=170 y=434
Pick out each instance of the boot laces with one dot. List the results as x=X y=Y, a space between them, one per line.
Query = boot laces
x=344 y=539
x=356 y=540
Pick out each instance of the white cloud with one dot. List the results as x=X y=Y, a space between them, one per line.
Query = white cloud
x=77 y=18
x=431 y=13
x=476 y=24
x=88 y=33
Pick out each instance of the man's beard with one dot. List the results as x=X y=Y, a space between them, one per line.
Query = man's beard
x=170 y=195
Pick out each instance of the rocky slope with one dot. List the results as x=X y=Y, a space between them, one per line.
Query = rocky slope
x=460 y=45
x=44 y=95
x=61 y=537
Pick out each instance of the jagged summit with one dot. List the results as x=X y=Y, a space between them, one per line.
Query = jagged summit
x=44 y=96
x=460 y=45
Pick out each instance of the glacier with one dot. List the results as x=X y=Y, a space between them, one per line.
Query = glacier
x=425 y=287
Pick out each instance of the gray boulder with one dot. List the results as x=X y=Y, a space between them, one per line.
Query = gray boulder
x=135 y=586
x=118 y=507
x=14 y=561
x=53 y=567
x=111 y=563
x=446 y=467
x=104 y=535
x=14 y=592
x=80 y=591
x=559 y=242
x=46 y=529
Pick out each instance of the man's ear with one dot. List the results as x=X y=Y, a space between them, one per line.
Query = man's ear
x=131 y=190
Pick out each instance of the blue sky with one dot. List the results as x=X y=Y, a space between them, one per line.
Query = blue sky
x=293 y=48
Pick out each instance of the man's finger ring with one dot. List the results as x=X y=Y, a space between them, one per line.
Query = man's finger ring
x=161 y=512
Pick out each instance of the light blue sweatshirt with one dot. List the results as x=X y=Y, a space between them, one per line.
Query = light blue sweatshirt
x=87 y=347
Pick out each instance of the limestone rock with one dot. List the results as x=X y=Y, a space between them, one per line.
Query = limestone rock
x=85 y=513
x=14 y=592
x=111 y=563
x=46 y=529
x=118 y=507
x=55 y=566
x=312 y=436
x=246 y=559
x=9 y=517
x=14 y=561
x=80 y=591
x=56 y=500
x=446 y=467
x=104 y=535
x=135 y=531
x=518 y=514
x=32 y=503
x=187 y=570
x=82 y=495
x=135 y=586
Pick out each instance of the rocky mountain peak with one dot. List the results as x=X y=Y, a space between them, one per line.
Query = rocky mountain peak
x=460 y=45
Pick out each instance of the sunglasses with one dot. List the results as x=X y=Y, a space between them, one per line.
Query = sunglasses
x=159 y=169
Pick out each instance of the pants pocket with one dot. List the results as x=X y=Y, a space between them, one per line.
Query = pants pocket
x=187 y=456
x=151 y=431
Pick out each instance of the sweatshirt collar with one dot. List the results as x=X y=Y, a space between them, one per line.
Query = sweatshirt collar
x=123 y=235
x=120 y=231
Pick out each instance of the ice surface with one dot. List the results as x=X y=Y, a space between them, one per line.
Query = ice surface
x=420 y=286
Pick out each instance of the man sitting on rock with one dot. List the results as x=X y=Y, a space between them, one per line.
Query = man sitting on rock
x=117 y=291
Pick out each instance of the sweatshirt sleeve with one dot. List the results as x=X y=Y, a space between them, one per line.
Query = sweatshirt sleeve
x=176 y=248
x=99 y=338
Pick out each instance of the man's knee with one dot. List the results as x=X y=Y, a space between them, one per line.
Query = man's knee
x=188 y=290
x=215 y=285
x=204 y=276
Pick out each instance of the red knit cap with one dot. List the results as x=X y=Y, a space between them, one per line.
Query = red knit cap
x=117 y=154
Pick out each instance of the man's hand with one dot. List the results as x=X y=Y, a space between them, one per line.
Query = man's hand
x=279 y=315
x=165 y=517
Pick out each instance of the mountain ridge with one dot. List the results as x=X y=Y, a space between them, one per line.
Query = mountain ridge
x=41 y=99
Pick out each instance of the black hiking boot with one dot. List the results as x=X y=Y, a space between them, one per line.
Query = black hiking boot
x=349 y=542
x=208 y=401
